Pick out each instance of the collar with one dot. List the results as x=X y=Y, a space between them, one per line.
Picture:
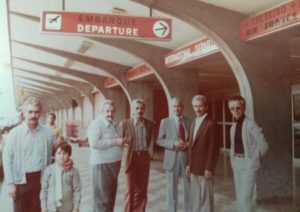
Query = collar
x=26 y=129
x=52 y=126
x=240 y=120
x=135 y=122
x=176 y=118
x=107 y=123
x=201 y=118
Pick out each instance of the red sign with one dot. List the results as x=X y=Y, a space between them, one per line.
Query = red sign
x=110 y=82
x=138 y=72
x=93 y=24
x=279 y=18
x=193 y=51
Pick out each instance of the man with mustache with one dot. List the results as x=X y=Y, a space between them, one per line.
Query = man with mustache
x=139 y=132
x=203 y=157
x=26 y=155
x=106 y=154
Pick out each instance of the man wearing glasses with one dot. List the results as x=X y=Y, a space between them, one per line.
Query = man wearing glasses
x=248 y=146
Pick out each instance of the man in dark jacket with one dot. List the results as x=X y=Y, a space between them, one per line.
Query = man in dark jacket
x=203 y=157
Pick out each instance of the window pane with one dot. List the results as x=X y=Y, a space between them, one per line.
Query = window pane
x=220 y=136
x=227 y=136
x=218 y=111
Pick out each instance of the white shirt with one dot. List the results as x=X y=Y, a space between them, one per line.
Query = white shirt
x=26 y=151
x=102 y=136
x=198 y=123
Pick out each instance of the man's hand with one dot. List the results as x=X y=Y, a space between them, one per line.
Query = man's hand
x=188 y=171
x=68 y=165
x=123 y=142
x=180 y=145
x=44 y=210
x=12 y=191
x=208 y=175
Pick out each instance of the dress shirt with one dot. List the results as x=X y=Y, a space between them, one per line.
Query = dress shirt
x=27 y=151
x=176 y=121
x=140 y=136
x=102 y=137
x=238 y=141
x=198 y=123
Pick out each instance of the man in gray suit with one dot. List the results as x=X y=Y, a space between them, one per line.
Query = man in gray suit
x=173 y=136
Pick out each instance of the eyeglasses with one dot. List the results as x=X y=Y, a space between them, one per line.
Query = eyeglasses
x=236 y=108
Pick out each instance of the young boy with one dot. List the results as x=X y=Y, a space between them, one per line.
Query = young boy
x=60 y=189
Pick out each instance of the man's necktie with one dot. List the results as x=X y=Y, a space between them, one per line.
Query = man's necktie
x=181 y=132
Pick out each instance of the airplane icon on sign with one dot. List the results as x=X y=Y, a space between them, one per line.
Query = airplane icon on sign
x=54 y=19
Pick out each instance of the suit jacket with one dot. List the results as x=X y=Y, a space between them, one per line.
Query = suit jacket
x=255 y=145
x=204 y=149
x=168 y=134
x=127 y=131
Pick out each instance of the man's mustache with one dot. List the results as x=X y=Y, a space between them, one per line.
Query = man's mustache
x=33 y=119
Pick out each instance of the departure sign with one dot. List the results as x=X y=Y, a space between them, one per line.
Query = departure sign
x=107 y=25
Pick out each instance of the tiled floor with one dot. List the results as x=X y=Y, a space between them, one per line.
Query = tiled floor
x=224 y=192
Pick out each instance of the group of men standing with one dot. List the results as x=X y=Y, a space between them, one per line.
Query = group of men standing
x=191 y=152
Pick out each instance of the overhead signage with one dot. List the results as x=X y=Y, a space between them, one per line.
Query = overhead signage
x=110 y=82
x=276 y=19
x=107 y=25
x=138 y=72
x=193 y=51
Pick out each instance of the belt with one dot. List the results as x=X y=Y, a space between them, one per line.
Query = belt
x=33 y=175
x=239 y=155
x=140 y=152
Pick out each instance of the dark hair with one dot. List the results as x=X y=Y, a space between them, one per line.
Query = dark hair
x=53 y=115
x=64 y=147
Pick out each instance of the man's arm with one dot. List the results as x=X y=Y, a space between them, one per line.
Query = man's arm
x=8 y=157
x=162 y=136
x=96 y=140
x=259 y=137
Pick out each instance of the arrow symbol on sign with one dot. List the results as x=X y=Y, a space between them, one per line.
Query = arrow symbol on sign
x=164 y=27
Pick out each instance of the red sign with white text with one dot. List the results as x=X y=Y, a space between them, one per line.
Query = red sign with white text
x=138 y=72
x=107 y=25
x=193 y=51
x=110 y=82
x=276 y=19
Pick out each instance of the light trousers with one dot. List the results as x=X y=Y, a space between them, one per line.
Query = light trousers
x=173 y=178
x=202 y=194
x=244 y=181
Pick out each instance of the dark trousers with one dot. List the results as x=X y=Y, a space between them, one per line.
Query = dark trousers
x=105 y=184
x=137 y=177
x=27 y=198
